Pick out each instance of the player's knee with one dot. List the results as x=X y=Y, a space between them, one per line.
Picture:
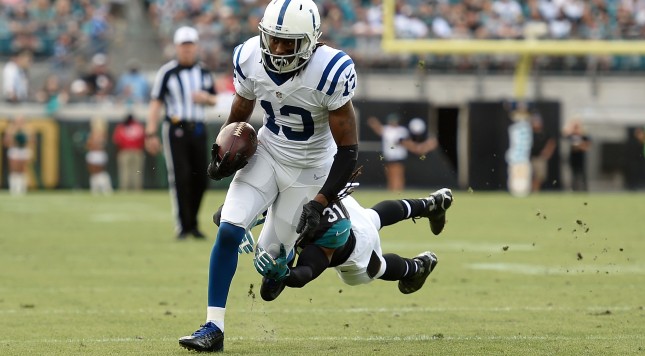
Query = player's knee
x=229 y=234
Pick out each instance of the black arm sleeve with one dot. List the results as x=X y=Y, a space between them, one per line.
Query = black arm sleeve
x=341 y=169
x=311 y=263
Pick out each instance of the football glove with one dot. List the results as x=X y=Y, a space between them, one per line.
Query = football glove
x=246 y=246
x=276 y=269
x=309 y=220
x=221 y=168
x=248 y=242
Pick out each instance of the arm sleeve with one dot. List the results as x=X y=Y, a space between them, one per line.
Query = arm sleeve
x=341 y=169
x=311 y=263
x=159 y=88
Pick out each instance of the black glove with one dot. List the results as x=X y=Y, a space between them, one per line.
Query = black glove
x=309 y=220
x=221 y=168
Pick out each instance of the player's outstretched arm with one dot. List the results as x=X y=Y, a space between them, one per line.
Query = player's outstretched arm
x=313 y=260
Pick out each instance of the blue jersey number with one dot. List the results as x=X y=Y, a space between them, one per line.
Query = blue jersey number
x=307 y=121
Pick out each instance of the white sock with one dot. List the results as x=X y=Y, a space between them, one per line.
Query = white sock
x=94 y=183
x=106 y=183
x=216 y=316
x=14 y=184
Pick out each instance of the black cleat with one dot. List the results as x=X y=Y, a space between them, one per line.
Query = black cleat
x=197 y=234
x=209 y=338
x=271 y=289
x=427 y=262
x=182 y=236
x=440 y=201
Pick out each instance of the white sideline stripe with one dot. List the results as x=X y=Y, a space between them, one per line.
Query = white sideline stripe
x=348 y=338
x=534 y=269
x=591 y=309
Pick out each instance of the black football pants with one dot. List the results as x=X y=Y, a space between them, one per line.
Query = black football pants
x=185 y=148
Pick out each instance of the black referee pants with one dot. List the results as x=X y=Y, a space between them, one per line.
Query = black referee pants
x=185 y=148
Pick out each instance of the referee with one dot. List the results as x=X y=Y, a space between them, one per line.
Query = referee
x=184 y=88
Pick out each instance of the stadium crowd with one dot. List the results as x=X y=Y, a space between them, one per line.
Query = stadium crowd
x=356 y=25
x=54 y=27
x=74 y=36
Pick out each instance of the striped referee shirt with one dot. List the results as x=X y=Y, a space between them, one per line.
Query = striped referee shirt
x=175 y=85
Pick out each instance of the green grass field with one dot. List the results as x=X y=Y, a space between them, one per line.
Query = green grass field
x=550 y=274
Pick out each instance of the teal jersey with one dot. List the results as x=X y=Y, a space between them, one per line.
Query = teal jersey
x=334 y=227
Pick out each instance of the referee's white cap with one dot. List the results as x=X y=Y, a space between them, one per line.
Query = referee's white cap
x=186 y=34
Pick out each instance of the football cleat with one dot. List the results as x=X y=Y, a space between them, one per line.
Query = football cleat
x=209 y=338
x=271 y=289
x=427 y=262
x=197 y=234
x=440 y=201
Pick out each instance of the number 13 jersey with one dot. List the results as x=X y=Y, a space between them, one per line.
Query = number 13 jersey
x=295 y=128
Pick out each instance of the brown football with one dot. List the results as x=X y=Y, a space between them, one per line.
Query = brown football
x=237 y=137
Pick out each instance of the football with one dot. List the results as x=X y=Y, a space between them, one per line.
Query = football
x=237 y=137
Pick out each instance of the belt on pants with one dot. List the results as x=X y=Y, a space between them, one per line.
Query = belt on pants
x=186 y=124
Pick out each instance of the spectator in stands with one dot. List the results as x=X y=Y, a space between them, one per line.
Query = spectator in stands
x=394 y=153
x=52 y=95
x=97 y=158
x=42 y=15
x=132 y=87
x=99 y=82
x=541 y=151
x=24 y=29
x=15 y=85
x=579 y=144
x=96 y=30
x=17 y=138
x=63 y=59
x=129 y=137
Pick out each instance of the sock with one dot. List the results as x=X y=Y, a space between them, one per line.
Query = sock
x=392 y=211
x=94 y=184
x=14 y=183
x=105 y=183
x=216 y=316
x=417 y=207
x=398 y=268
x=22 y=183
x=223 y=263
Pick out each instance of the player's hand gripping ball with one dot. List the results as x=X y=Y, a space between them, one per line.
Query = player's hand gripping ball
x=235 y=144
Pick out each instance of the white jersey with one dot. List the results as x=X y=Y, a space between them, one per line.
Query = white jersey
x=295 y=128
x=393 y=150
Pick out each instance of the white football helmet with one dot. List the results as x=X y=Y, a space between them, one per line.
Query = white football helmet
x=290 y=19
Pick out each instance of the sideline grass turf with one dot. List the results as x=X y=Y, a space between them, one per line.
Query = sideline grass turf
x=549 y=274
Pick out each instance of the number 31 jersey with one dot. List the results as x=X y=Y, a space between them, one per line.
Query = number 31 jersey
x=296 y=110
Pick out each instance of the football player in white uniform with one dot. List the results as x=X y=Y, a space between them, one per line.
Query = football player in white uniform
x=348 y=240
x=307 y=149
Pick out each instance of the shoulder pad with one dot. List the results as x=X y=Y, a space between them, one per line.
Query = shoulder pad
x=242 y=57
x=335 y=67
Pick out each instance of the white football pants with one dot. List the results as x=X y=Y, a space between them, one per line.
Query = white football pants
x=283 y=190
